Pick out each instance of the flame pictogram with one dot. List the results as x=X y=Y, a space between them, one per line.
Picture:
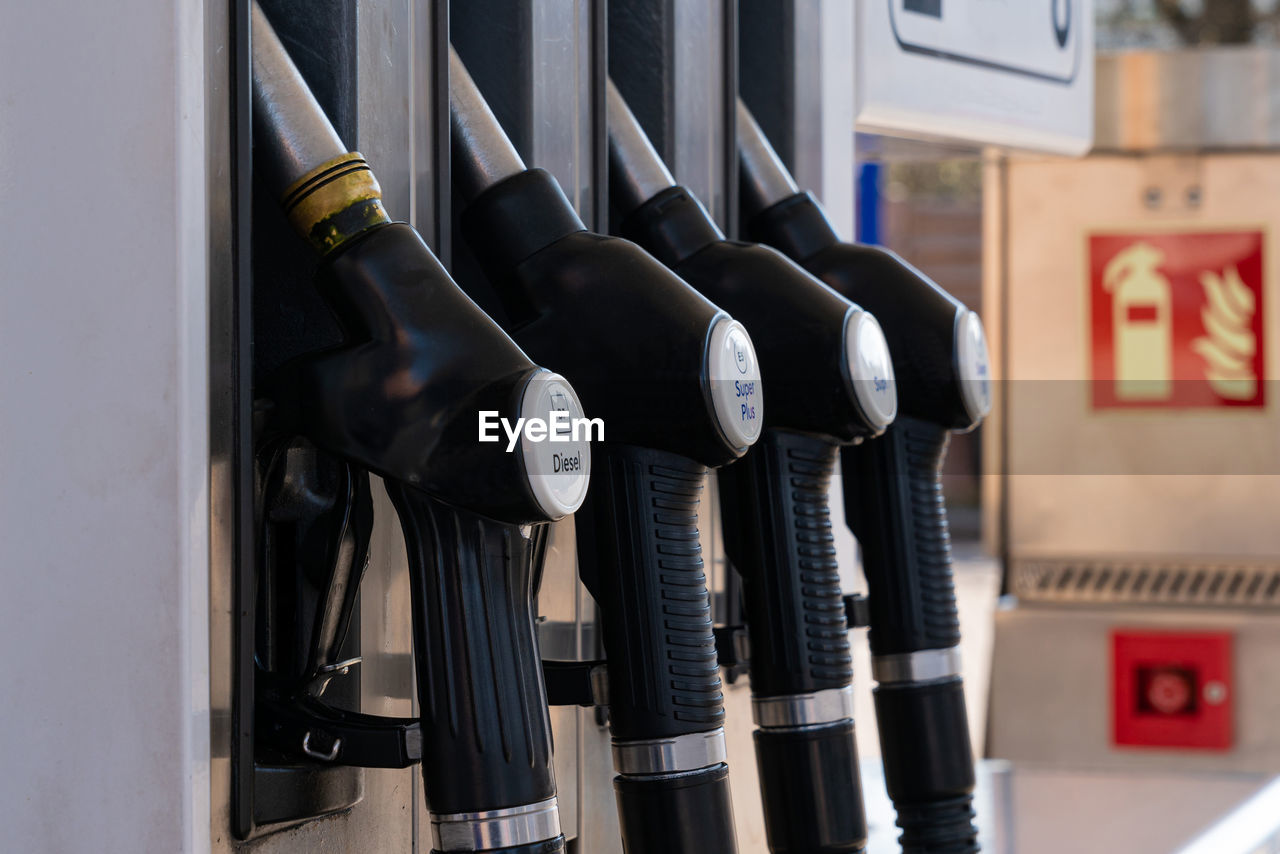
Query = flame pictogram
x=1229 y=344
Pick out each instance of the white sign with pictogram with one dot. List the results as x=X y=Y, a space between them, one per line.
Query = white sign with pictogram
x=1012 y=73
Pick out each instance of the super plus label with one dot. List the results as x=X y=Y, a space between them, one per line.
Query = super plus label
x=734 y=376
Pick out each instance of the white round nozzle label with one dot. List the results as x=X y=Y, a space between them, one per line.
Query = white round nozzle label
x=973 y=365
x=870 y=369
x=559 y=465
x=734 y=376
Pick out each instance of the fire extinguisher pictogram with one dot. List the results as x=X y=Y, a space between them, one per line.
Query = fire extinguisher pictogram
x=1142 y=324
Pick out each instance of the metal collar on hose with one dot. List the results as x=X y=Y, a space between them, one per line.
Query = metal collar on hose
x=494 y=829
x=801 y=710
x=674 y=755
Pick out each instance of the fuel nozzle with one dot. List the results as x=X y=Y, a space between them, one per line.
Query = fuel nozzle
x=938 y=345
x=403 y=396
x=677 y=383
x=825 y=358
x=893 y=498
x=831 y=383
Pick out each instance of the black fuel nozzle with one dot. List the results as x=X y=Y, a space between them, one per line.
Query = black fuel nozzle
x=407 y=395
x=831 y=383
x=893 y=498
x=677 y=384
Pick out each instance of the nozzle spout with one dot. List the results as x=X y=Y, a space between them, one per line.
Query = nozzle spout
x=636 y=172
x=328 y=193
x=765 y=180
x=482 y=152
x=292 y=133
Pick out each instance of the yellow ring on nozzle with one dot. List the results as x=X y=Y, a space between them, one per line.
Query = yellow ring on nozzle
x=335 y=201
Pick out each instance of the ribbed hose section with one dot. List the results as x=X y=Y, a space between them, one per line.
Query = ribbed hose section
x=928 y=764
x=942 y=827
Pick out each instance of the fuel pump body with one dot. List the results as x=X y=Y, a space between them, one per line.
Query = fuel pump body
x=367 y=61
x=267 y=310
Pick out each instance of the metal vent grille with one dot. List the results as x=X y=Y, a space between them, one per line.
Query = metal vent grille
x=1148 y=582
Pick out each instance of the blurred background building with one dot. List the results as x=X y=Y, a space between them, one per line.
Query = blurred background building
x=1169 y=24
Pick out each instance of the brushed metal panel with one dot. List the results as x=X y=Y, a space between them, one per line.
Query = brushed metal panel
x=739 y=728
x=701 y=97
x=384 y=88
x=563 y=98
x=389 y=75
x=223 y=407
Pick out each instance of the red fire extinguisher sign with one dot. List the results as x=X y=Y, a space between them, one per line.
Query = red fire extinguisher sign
x=1177 y=319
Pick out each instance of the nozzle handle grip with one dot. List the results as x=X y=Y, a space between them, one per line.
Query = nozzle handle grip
x=777 y=534
x=485 y=725
x=639 y=556
x=894 y=505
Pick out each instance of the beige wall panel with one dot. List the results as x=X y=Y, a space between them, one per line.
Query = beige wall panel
x=1114 y=483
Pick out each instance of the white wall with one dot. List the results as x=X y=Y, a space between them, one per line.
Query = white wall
x=103 y=433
